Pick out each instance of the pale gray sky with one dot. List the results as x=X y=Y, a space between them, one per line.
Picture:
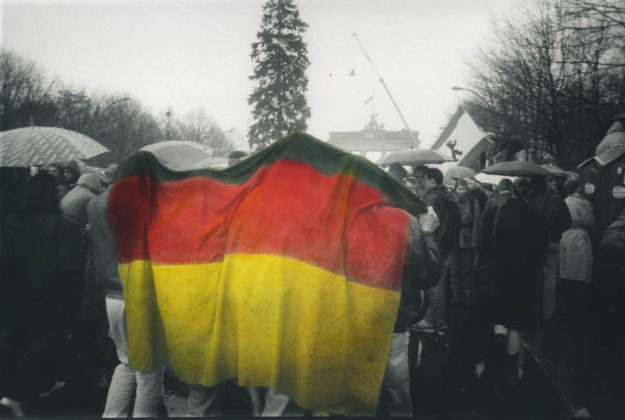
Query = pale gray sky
x=189 y=54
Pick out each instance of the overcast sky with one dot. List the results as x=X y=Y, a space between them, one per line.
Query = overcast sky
x=190 y=54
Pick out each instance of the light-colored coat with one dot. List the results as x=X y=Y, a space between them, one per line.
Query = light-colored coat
x=575 y=247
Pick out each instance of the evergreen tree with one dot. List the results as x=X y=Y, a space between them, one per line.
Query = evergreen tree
x=280 y=60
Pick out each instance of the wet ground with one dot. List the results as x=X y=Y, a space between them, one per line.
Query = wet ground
x=441 y=386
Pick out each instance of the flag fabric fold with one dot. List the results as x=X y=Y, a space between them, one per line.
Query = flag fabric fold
x=283 y=271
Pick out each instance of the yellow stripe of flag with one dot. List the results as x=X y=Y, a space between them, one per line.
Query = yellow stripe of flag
x=258 y=318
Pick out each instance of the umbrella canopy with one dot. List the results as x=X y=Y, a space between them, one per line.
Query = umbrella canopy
x=555 y=170
x=492 y=179
x=458 y=172
x=516 y=168
x=179 y=155
x=32 y=146
x=413 y=157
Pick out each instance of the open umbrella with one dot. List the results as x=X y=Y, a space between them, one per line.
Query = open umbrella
x=516 y=168
x=31 y=146
x=459 y=172
x=413 y=157
x=492 y=179
x=555 y=170
x=179 y=155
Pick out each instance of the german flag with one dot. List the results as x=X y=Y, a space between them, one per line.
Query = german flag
x=282 y=271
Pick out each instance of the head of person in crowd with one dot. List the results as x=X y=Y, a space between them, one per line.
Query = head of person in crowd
x=109 y=174
x=56 y=170
x=471 y=183
x=552 y=187
x=418 y=173
x=397 y=172
x=410 y=183
x=235 y=156
x=461 y=188
x=91 y=182
x=504 y=186
x=71 y=173
x=538 y=184
x=433 y=177
x=522 y=188
x=571 y=186
x=39 y=195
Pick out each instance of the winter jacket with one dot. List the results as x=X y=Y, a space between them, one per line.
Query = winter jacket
x=470 y=222
x=575 y=247
x=74 y=204
x=555 y=213
x=42 y=272
x=103 y=248
x=421 y=270
x=520 y=246
x=613 y=254
x=446 y=207
x=490 y=217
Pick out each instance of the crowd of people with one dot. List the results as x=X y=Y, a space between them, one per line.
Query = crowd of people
x=517 y=259
x=514 y=256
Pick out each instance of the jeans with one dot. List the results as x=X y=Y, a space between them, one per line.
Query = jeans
x=145 y=387
x=436 y=314
x=394 y=399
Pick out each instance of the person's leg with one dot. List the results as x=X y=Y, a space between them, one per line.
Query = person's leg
x=121 y=392
x=256 y=400
x=513 y=348
x=275 y=404
x=550 y=270
x=455 y=275
x=149 y=392
x=394 y=399
x=468 y=286
x=123 y=383
x=438 y=306
x=202 y=401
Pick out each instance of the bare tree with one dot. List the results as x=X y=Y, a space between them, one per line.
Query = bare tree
x=544 y=85
x=26 y=95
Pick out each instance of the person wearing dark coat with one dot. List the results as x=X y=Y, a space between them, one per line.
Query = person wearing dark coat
x=41 y=292
x=520 y=243
x=71 y=173
x=475 y=189
x=446 y=207
x=557 y=217
x=610 y=289
x=464 y=256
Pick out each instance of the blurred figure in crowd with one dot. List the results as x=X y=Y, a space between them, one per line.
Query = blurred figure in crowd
x=71 y=173
x=558 y=219
x=56 y=170
x=475 y=189
x=610 y=289
x=520 y=249
x=464 y=256
x=576 y=258
x=418 y=174
x=41 y=289
x=446 y=207
x=74 y=204
x=397 y=172
x=145 y=388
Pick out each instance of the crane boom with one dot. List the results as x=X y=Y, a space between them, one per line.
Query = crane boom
x=412 y=136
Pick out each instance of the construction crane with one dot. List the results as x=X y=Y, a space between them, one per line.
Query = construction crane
x=412 y=136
